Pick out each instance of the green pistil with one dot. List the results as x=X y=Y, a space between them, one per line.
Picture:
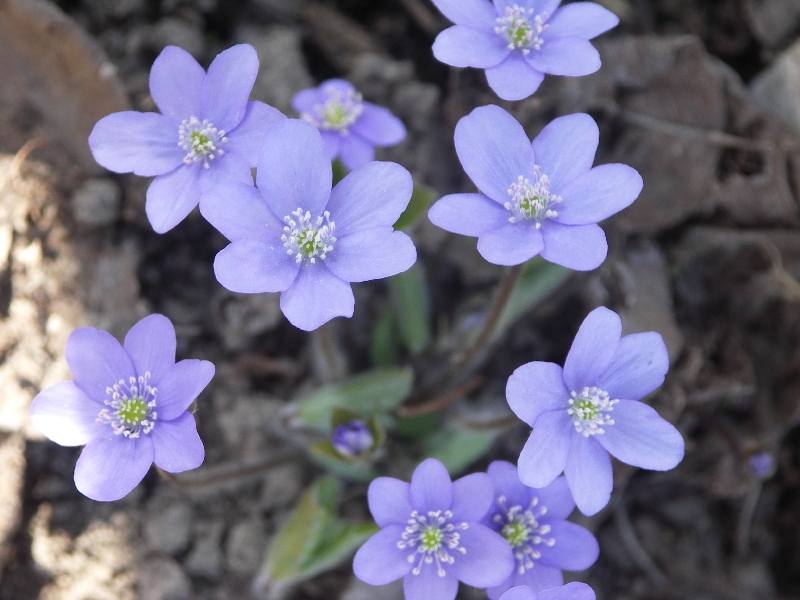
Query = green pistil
x=533 y=206
x=133 y=411
x=586 y=409
x=431 y=538
x=310 y=245
x=199 y=141
x=519 y=36
x=335 y=115
x=516 y=533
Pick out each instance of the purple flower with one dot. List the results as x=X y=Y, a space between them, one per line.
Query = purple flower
x=295 y=236
x=352 y=439
x=350 y=127
x=590 y=408
x=571 y=591
x=534 y=523
x=761 y=463
x=207 y=133
x=541 y=198
x=432 y=536
x=127 y=405
x=518 y=41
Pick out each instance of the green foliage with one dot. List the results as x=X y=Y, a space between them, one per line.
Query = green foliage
x=384 y=347
x=339 y=171
x=313 y=540
x=458 y=447
x=421 y=199
x=370 y=394
x=410 y=299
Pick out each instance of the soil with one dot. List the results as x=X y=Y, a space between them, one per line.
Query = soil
x=709 y=256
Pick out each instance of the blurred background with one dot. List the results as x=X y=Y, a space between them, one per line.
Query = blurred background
x=701 y=96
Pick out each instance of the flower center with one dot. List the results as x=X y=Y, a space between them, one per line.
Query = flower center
x=338 y=112
x=201 y=140
x=307 y=239
x=532 y=200
x=521 y=28
x=431 y=537
x=589 y=410
x=522 y=531
x=131 y=407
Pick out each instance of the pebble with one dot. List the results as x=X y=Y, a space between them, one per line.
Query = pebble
x=778 y=88
x=161 y=578
x=169 y=530
x=97 y=202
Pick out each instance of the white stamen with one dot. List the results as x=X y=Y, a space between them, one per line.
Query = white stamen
x=522 y=531
x=132 y=406
x=588 y=410
x=521 y=28
x=429 y=538
x=532 y=201
x=341 y=109
x=307 y=239
x=201 y=140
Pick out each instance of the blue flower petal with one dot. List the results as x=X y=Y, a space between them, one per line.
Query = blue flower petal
x=429 y=585
x=575 y=590
x=226 y=88
x=176 y=81
x=316 y=297
x=180 y=386
x=355 y=151
x=97 y=361
x=565 y=149
x=64 y=414
x=514 y=79
x=371 y=254
x=176 y=444
x=571 y=56
x=488 y=560
x=461 y=46
x=575 y=549
x=546 y=452
x=588 y=472
x=639 y=367
x=536 y=388
x=598 y=194
x=640 y=437
x=151 y=346
x=431 y=488
x=584 y=20
x=473 y=495
x=245 y=139
x=389 y=501
x=132 y=142
x=512 y=244
x=238 y=212
x=578 y=247
x=379 y=561
x=519 y=593
x=473 y=13
x=111 y=466
x=592 y=349
x=171 y=197
x=468 y=214
x=557 y=498
x=251 y=266
x=378 y=126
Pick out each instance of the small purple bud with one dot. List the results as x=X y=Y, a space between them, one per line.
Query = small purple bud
x=761 y=463
x=352 y=439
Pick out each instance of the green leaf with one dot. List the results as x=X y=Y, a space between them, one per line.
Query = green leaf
x=457 y=448
x=417 y=426
x=537 y=280
x=421 y=199
x=313 y=540
x=372 y=393
x=411 y=302
x=384 y=346
x=339 y=171
x=302 y=533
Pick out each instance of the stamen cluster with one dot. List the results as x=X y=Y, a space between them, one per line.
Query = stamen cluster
x=132 y=405
x=432 y=536
x=522 y=531
x=304 y=239
x=588 y=410
x=532 y=200
x=338 y=113
x=521 y=28
x=201 y=140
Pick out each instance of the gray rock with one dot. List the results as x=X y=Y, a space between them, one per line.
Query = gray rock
x=778 y=88
x=161 y=578
x=244 y=316
x=97 y=202
x=281 y=486
x=772 y=20
x=177 y=32
x=169 y=530
x=245 y=545
x=205 y=559
x=358 y=590
x=283 y=70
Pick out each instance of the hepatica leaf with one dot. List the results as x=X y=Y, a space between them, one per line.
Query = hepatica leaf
x=313 y=540
x=411 y=302
x=457 y=447
x=373 y=393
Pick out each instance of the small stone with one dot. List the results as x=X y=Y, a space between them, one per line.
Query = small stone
x=283 y=70
x=358 y=590
x=177 y=32
x=245 y=545
x=778 y=88
x=205 y=559
x=169 y=530
x=163 y=579
x=97 y=202
x=772 y=21
x=245 y=316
